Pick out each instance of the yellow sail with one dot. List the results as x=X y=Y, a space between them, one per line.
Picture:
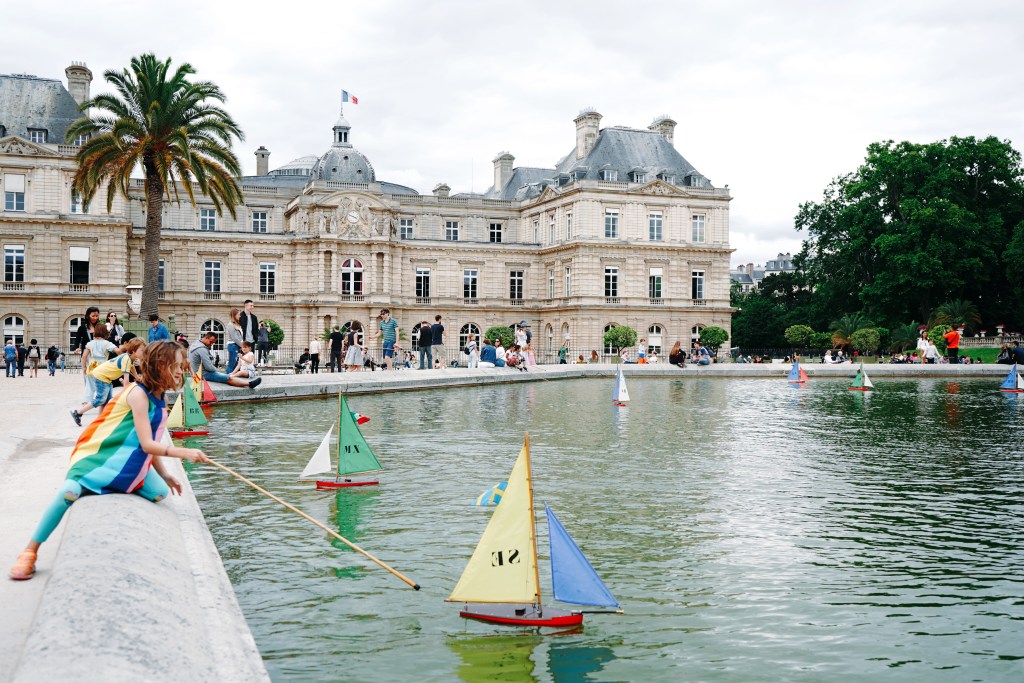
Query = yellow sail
x=196 y=385
x=176 y=418
x=504 y=566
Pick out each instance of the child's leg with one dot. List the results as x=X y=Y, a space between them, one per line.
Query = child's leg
x=68 y=494
x=154 y=487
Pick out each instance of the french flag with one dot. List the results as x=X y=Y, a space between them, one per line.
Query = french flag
x=345 y=97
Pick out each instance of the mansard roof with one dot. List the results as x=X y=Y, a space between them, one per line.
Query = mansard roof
x=32 y=102
x=524 y=183
x=630 y=149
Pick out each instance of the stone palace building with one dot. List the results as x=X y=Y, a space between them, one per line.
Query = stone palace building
x=622 y=230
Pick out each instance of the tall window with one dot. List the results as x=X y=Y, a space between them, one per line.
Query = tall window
x=161 y=275
x=207 y=219
x=654 y=335
x=14 y=328
x=451 y=231
x=495 y=230
x=14 y=263
x=352 y=277
x=611 y=224
x=536 y=231
x=611 y=281
x=654 y=222
x=259 y=221
x=608 y=348
x=697 y=284
x=469 y=283
x=14 y=192
x=217 y=328
x=76 y=201
x=268 y=278
x=654 y=283
x=568 y=281
x=72 y=330
x=405 y=228
x=211 y=276
x=568 y=226
x=79 y=270
x=465 y=331
x=551 y=284
x=697 y=222
x=423 y=283
x=551 y=230
x=515 y=285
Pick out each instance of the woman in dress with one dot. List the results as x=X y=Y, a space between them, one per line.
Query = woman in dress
x=356 y=347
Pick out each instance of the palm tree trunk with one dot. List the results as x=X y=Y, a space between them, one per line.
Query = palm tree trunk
x=151 y=251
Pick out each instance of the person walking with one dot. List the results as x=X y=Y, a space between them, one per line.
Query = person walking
x=119 y=455
x=235 y=339
x=437 y=340
x=389 y=336
x=22 y=357
x=426 y=338
x=104 y=374
x=157 y=330
x=262 y=344
x=11 y=358
x=34 y=356
x=336 y=339
x=563 y=352
x=87 y=329
x=52 y=354
x=314 y=355
x=952 y=345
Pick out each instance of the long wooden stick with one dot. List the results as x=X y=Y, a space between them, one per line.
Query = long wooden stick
x=338 y=536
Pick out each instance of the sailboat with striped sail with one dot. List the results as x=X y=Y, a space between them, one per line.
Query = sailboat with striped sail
x=354 y=455
x=796 y=374
x=186 y=414
x=620 y=395
x=1014 y=383
x=861 y=382
x=501 y=582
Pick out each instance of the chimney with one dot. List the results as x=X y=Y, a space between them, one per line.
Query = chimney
x=502 y=170
x=79 y=78
x=262 y=161
x=442 y=190
x=750 y=270
x=586 y=131
x=664 y=125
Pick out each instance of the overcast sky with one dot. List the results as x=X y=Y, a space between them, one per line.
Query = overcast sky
x=774 y=99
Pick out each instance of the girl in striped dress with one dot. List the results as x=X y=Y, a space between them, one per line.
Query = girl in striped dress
x=115 y=453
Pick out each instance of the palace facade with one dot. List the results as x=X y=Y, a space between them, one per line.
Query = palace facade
x=620 y=231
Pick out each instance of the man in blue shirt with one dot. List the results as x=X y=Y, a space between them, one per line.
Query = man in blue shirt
x=157 y=330
x=702 y=354
x=389 y=336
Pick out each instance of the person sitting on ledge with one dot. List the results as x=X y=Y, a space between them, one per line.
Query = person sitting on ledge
x=488 y=356
x=199 y=356
x=702 y=354
x=303 y=364
x=676 y=356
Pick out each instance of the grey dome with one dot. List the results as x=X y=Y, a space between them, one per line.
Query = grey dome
x=345 y=164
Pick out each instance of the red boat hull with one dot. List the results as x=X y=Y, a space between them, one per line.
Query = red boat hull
x=522 y=615
x=182 y=434
x=344 y=483
x=1012 y=391
x=859 y=388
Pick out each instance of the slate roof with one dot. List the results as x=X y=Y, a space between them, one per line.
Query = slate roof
x=33 y=102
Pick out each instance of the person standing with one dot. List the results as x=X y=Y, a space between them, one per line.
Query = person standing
x=563 y=352
x=114 y=328
x=249 y=324
x=11 y=358
x=262 y=344
x=235 y=339
x=931 y=352
x=472 y=351
x=314 y=355
x=157 y=330
x=426 y=338
x=922 y=345
x=336 y=340
x=34 y=356
x=952 y=345
x=389 y=336
x=22 y=357
x=437 y=340
x=52 y=354
x=641 y=352
x=354 y=355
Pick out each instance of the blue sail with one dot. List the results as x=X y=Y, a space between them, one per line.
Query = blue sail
x=572 y=578
x=1011 y=379
x=794 y=374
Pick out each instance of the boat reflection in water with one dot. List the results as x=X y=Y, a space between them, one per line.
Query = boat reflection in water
x=349 y=510
x=516 y=658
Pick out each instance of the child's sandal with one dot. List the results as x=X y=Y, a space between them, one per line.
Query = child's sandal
x=25 y=567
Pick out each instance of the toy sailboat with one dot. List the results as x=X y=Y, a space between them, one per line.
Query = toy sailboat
x=354 y=454
x=186 y=414
x=861 y=381
x=1014 y=383
x=201 y=388
x=620 y=395
x=797 y=374
x=501 y=583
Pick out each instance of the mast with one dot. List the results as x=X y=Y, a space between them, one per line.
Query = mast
x=533 y=522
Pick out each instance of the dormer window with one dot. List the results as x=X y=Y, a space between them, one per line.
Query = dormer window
x=667 y=177
x=609 y=175
x=696 y=181
x=37 y=135
x=81 y=139
x=638 y=177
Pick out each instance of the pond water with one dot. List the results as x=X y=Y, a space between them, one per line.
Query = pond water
x=750 y=530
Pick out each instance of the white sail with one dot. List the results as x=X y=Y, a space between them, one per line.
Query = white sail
x=321 y=460
x=621 y=394
x=1020 y=382
x=867 y=381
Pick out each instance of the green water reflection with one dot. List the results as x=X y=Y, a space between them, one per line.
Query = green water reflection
x=751 y=531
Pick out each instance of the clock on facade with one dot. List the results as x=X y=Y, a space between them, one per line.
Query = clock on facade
x=352 y=216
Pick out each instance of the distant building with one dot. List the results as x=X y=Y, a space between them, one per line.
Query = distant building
x=749 y=277
x=620 y=231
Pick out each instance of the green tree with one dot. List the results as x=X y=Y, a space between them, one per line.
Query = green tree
x=799 y=336
x=502 y=332
x=713 y=337
x=903 y=337
x=620 y=337
x=274 y=333
x=821 y=340
x=844 y=327
x=866 y=340
x=935 y=335
x=958 y=312
x=171 y=127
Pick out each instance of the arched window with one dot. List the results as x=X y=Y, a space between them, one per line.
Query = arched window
x=608 y=348
x=351 y=278
x=217 y=328
x=549 y=333
x=72 y=328
x=465 y=331
x=419 y=331
x=654 y=342
x=14 y=328
x=695 y=333
x=565 y=331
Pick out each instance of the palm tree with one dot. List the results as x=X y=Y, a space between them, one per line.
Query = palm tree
x=904 y=337
x=175 y=130
x=844 y=328
x=958 y=312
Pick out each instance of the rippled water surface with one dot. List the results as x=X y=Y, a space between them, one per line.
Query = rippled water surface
x=751 y=531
